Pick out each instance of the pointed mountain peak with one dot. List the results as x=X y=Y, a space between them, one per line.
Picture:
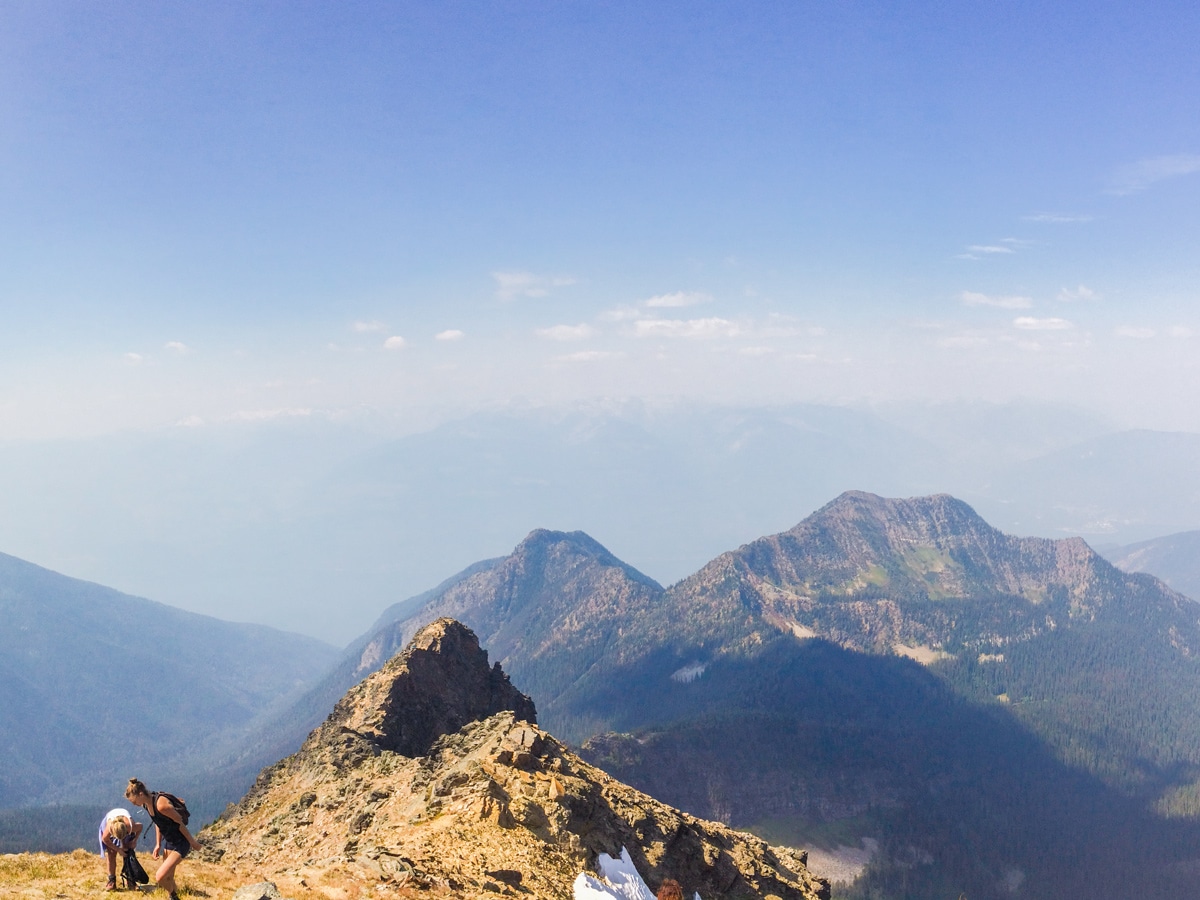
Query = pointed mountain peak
x=543 y=547
x=437 y=685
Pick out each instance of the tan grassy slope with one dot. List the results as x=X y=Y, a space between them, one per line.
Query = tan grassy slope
x=80 y=875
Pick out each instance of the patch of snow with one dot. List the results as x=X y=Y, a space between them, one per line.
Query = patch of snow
x=842 y=864
x=619 y=880
x=689 y=673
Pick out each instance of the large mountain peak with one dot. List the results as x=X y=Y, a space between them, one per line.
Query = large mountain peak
x=885 y=522
x=546 y=554
x=918 y=576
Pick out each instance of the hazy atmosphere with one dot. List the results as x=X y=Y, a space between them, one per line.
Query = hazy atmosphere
x=307 y=306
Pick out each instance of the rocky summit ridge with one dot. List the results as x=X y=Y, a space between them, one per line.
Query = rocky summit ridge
x=431 y=775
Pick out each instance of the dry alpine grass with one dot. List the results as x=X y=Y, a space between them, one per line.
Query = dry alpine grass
x=79 y=875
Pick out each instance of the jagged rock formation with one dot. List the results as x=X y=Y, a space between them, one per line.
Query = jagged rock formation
x=432 y=773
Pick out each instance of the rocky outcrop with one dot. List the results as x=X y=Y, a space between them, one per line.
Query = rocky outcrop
x=432 y=774
x=435 y=686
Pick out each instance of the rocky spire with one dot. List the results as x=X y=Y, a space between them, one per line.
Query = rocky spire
x=434 y=687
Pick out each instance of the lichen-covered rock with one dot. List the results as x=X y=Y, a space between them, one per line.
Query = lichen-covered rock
x=264 y=890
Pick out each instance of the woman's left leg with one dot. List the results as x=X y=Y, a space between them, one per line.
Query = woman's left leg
x=165 y=876
x=110 y=858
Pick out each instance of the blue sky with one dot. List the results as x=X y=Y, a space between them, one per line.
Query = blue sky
x=239 y=212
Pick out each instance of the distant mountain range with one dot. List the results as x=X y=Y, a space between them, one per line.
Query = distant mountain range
x=284 y=516
x=994 y=711
x=98 y=686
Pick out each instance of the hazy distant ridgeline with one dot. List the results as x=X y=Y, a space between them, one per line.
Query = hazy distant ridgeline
x=297 y=512
x=1175 y=558
x=96 y=686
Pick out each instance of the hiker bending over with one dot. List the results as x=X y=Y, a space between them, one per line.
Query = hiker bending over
x=118 y=834
x=172 y=840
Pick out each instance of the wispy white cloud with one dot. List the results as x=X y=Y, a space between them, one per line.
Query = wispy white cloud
x=1180 y=331
x=190 y=422
x=566 y=332
x=676 y=300
x=395 y=342
x=367 y=327
x=756 y=351
x=1083 y=292
x=979 y=251
x=510 y=285
x=1030 y=323
x=450 y=334
x=1057 y=218
x=177 y=347
x=133 y=359
x=1138 y=332
x=1140 y=175
x=690 y=329
x=974 y=298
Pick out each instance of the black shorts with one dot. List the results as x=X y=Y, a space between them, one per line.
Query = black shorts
x=180 y=846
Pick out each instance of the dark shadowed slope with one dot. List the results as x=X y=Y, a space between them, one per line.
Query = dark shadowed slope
x=95 y=685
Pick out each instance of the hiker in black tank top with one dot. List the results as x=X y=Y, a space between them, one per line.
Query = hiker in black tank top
x=169 y=829
x=172 y=840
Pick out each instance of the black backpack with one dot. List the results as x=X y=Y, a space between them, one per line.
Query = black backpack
x=132 y=872
x=180 y=806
